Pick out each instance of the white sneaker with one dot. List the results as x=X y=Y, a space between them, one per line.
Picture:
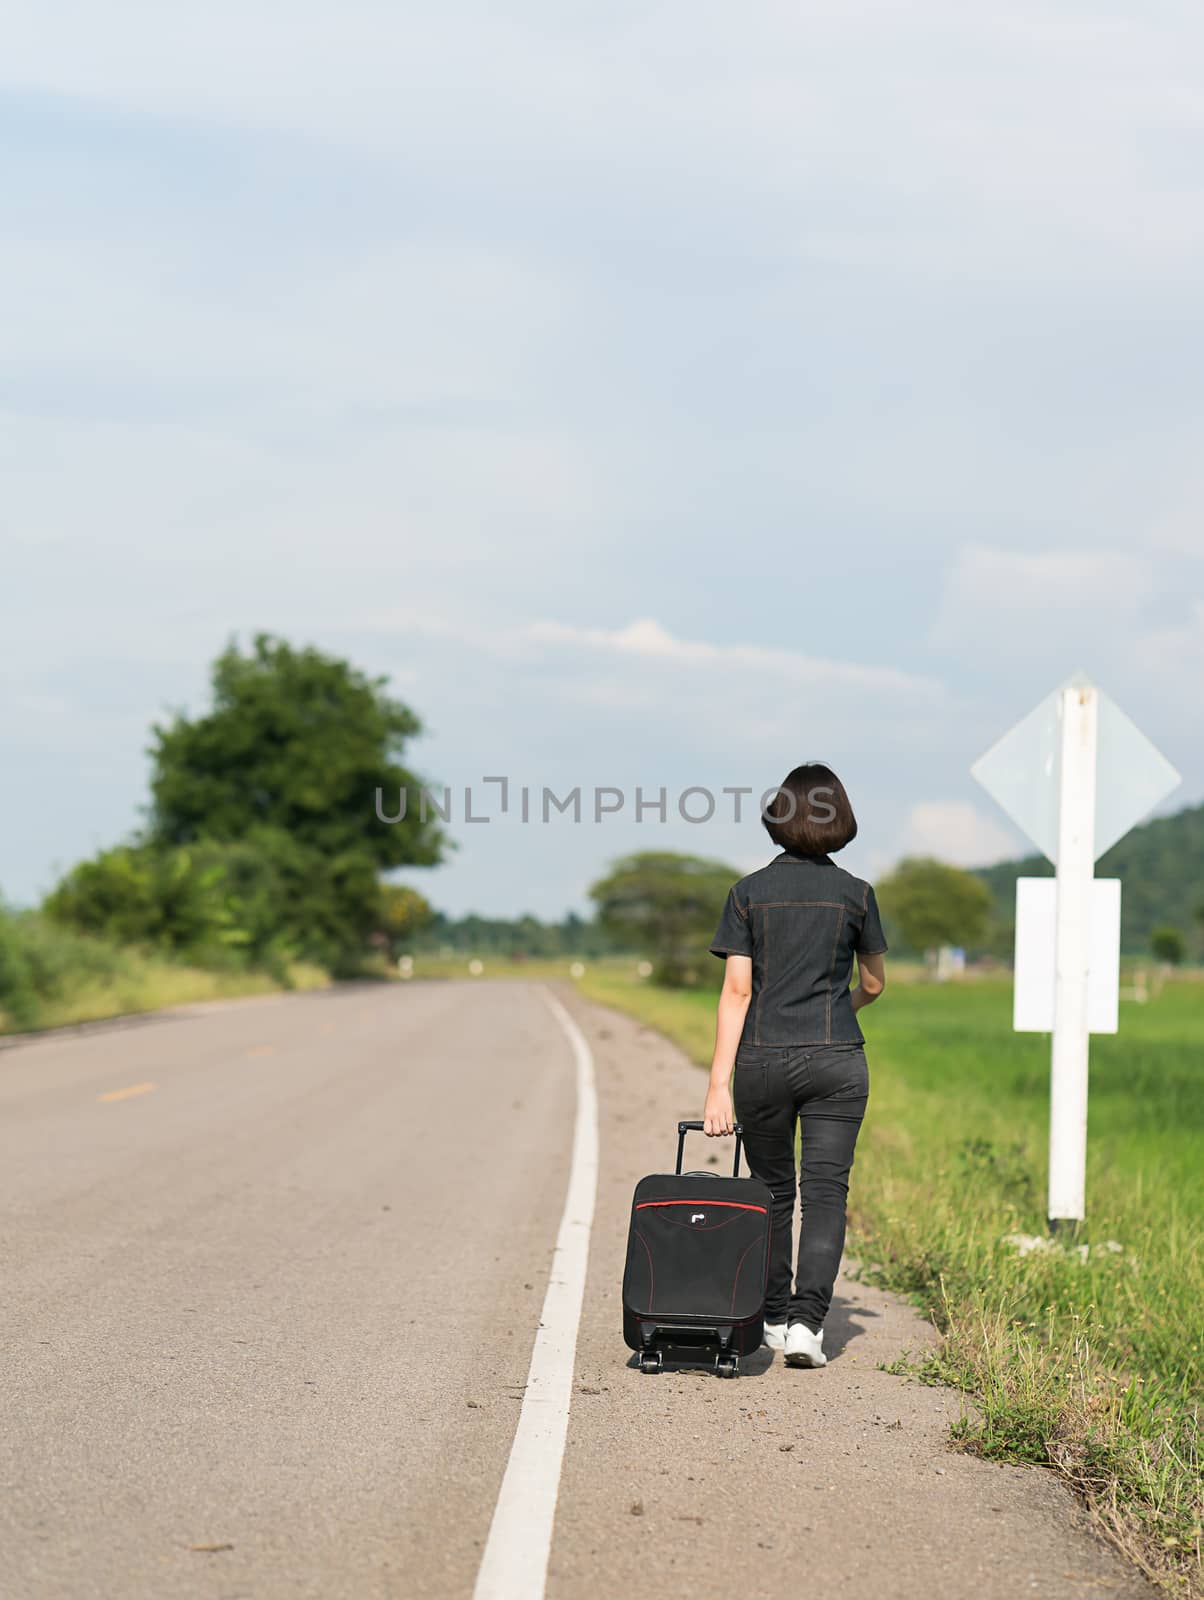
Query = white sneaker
x=775 y=1335
x=804 y=1348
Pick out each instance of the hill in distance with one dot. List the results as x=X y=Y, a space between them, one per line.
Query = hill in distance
x=1161 y=868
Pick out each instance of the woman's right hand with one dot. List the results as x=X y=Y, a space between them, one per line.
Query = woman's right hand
x=717 y=1116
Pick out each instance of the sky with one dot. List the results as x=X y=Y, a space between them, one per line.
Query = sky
x=657 y=394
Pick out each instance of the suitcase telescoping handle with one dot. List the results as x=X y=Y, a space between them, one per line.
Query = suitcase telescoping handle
x=685 y=1127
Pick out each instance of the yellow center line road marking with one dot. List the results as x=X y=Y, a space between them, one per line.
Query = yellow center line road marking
x=260 y=1050
x=126 y=1094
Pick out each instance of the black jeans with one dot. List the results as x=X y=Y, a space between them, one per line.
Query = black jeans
x=824 y=1087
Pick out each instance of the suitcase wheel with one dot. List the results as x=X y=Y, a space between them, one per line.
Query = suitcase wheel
x=727 y=1366
x=652 y=1361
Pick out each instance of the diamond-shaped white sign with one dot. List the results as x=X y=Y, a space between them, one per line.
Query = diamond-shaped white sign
x=1021 y=772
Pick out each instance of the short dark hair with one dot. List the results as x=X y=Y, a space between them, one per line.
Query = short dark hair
x=810 y=814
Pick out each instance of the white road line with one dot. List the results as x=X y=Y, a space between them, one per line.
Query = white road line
x=515 y=1563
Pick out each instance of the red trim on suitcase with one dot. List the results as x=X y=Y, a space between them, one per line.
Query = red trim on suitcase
x=737 y=1205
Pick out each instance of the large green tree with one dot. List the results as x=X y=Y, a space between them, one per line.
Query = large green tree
x=666 y=904
x=933 y=903
x=298 y=741
x=291 y=758
x=263 y=839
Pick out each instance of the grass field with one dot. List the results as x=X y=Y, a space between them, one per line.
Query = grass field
x=1090 y=1366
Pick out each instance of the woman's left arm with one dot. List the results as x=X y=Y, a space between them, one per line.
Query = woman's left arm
x=729 y=1025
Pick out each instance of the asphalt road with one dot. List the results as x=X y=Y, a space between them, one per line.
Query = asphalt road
x=271 y=1276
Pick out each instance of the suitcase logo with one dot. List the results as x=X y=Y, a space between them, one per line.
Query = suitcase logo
x=698 y=1216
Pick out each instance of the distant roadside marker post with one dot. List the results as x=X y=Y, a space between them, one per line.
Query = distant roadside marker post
x=1075 y=775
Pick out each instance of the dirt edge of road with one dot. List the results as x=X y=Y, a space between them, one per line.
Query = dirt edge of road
x=885 y=1496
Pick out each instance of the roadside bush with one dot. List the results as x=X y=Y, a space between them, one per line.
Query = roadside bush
x=219 y=905
x=260 y=902
x=41 y=962
x=18 y=996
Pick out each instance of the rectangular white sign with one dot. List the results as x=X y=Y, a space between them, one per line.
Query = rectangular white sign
x=1036 y=918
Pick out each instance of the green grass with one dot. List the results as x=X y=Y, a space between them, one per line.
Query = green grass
x=1092 y=1367
x=69 y=978
x=149 y=985
x=536 y=968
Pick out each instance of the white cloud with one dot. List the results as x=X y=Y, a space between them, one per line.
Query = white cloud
x=1179 y=528
x=574 y=654
x=440 y=327
x=967 y=119
x=648 y=640
x=955 y=831
x=175 y=522
x=1175 y=654
x=1025 y=603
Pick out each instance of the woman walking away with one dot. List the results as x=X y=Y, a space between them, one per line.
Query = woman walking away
x=788 y=1024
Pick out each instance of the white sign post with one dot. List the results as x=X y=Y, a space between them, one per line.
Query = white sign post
x=1072 y=954
x=1076 y=775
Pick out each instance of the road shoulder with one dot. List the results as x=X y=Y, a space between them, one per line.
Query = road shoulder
x=841 y=1474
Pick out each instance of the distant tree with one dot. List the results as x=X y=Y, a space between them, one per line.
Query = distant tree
x=934 y=904
x=1169 y=945
x=525 y=935
x=666 y=904
x=404 y=914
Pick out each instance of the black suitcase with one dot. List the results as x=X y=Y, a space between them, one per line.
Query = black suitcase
x=697 y=1259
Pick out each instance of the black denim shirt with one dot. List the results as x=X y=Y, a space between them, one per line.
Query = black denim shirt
x=801 y=918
